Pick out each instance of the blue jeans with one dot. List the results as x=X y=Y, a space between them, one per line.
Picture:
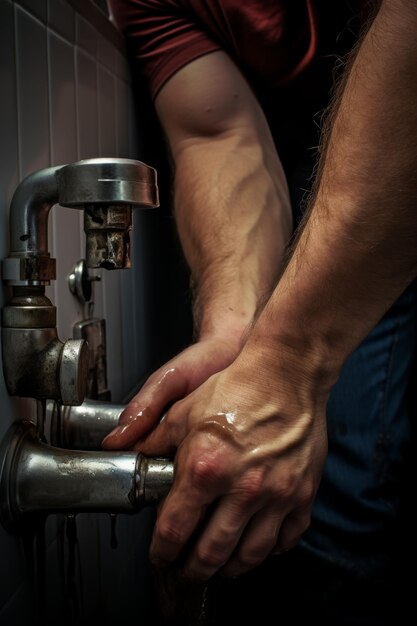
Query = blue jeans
x=360 y=499
x=347 y=570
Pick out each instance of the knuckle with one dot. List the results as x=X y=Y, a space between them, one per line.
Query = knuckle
x=251 y=487
x=284 y=490
x=206 y=472
x=249 y=559
x=171 y=532
x=213 y=556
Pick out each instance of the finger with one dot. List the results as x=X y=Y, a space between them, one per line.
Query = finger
x=166 y=437
x=144 y=411
x=225 y=527
x=292 y=528
x=200 y=479
x=259 y=538
x=174 y=527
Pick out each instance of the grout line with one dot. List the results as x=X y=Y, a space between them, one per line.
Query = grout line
x=52 y=219
x=78 y=138
x=18 y=96
x=32 y=16
x=48 y=61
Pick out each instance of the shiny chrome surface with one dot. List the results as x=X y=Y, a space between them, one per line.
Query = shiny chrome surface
x=107 y=189
x=36 y=363
x=103 y=187
x=29 y=261
x=107 y=182
x=81 y=427
x=37 y=478
x=154 y=479
x=79 y=282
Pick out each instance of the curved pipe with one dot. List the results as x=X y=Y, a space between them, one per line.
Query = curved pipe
x=106 y=189
x=86 y=182
x=29 y=210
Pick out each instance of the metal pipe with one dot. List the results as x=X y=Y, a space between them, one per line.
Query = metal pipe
x=81 y=427
x=106 y=189
x=37 y=478
x=29 y=210
x=36 y=363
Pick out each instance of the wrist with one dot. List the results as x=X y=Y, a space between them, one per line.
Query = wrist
x=294 y=355
x=226 y=317
x=227 y=327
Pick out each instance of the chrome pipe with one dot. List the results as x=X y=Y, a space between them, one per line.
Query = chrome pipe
x=38 y=478
x=106 y=189
x=81 y=427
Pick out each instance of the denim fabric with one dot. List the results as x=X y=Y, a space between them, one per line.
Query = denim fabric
x=352 y=566
x=356 y=513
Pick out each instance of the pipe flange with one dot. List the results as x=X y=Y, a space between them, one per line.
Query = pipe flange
x=73 y=371
x=9 y=455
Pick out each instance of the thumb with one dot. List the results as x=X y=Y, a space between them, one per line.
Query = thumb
x=145 y=409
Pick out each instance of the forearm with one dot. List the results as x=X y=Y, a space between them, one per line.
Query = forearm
x=231 y=198
x=234 y=222
x=357 y=251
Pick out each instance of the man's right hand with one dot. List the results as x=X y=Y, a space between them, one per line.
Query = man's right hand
x=171 y=382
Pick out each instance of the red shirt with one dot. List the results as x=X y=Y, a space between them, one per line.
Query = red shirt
x=273 y=40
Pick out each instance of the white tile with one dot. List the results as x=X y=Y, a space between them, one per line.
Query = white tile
x=129 y=331
x=114 y=336
x=66 y=230
x=32 y=78
x=61 y=18
x=87 y=105
x=122 y=118
x=8 y=123
x=63 y=104
x=107 y=53
x=86 y=36
x=36 y=7
x=107 y=112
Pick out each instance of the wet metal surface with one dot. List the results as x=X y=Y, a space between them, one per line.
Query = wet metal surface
x=37 y=478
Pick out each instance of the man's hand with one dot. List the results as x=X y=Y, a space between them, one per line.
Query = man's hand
x=171 y=382
x=251 y=447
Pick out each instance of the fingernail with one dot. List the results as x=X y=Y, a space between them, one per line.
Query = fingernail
x=119 y=430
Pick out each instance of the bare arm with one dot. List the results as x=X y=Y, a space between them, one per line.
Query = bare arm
x=234 y=221
x=358 y=249
x=231 y=199
x=252 y=439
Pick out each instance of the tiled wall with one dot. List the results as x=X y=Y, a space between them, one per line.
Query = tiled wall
x=65 y=96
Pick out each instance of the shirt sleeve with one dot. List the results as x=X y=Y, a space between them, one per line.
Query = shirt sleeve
x=162 y=37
